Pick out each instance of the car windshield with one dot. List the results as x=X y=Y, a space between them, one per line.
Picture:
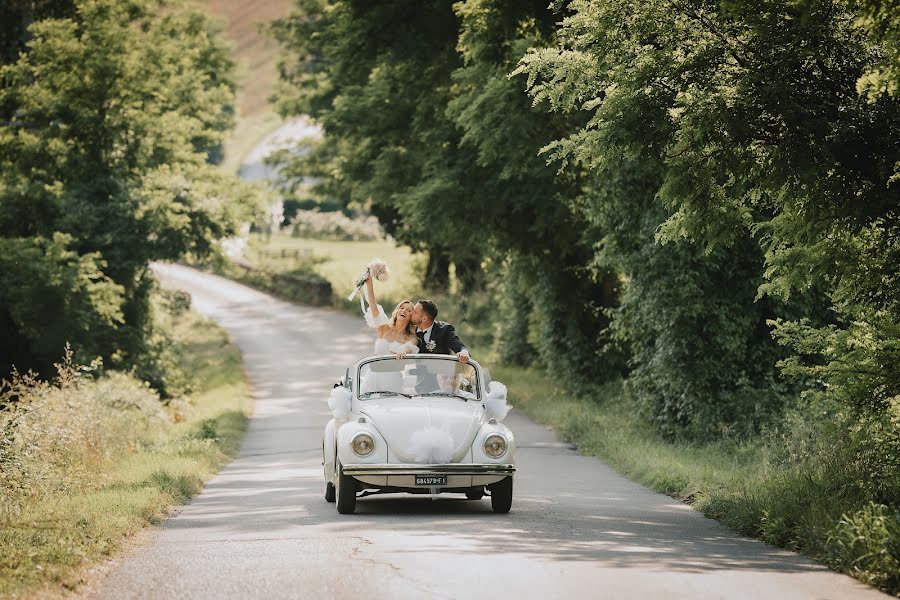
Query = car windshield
x=418 y=377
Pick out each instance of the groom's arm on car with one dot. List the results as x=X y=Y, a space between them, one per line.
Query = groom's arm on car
x=454 y=343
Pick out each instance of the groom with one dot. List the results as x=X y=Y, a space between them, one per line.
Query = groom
x=436 y=337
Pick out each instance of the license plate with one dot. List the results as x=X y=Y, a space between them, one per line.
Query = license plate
x=431 y=480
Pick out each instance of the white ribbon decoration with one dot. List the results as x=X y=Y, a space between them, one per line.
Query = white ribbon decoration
x=362 y=301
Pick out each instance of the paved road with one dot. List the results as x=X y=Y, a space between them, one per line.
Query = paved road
x=261 y=528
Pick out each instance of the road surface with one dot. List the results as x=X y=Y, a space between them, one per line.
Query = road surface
x=262 y=529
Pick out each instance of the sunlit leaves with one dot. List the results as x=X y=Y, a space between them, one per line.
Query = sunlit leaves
x=114 y=114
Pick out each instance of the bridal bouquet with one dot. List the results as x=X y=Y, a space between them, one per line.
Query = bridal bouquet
x=376 y=268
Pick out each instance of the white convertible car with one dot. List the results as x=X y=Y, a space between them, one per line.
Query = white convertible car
x=422 y=424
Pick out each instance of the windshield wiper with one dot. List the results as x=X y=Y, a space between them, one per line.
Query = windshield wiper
x=448 y=395
x=368 y=394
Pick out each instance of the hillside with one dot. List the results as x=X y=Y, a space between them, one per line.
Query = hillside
x=256 y=55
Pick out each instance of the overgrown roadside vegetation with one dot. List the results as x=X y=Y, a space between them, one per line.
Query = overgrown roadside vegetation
x=779 y=487
x=89 y=460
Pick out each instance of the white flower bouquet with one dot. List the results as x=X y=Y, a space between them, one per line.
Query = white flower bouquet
x=377 y=269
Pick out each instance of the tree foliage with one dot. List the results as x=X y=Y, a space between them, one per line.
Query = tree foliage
x=112 y=116
x=704 y=187
x=425 y=126
x=754 y=118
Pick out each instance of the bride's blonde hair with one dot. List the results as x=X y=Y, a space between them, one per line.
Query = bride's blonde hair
x=410 y=330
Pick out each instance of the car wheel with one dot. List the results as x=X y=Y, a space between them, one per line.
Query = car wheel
x=501 y=495
x=346 y=493
x=329 y=485
x=475 y=493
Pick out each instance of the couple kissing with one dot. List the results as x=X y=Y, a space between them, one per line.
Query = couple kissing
x=411 y=328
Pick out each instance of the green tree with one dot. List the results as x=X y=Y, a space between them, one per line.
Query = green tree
x=427 y=127
x=380 y=99
x=116 y=111
x=526 y=208
x=880 y=20
x=753 y=116
x=17 y=15
x=53 y=296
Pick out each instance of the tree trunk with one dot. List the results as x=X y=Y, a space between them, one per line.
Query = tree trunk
x=469 y=274
x=437 y=272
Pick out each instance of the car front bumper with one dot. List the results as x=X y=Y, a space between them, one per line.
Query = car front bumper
x=459 y=475
x=443 y=469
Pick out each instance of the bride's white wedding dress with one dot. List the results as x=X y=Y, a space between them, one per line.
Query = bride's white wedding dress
x=386 y=381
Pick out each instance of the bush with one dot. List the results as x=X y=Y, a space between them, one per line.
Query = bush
x=88 y=460
x=52 y=436
x=51 y=294
x=335 y=226
x=292 y=206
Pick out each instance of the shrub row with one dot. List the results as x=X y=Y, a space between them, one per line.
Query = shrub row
x=335 y=226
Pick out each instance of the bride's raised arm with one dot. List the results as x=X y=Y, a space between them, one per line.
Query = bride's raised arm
x=370 y=296
x=375 y=316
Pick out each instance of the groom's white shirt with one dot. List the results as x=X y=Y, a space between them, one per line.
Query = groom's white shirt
x=427 y=337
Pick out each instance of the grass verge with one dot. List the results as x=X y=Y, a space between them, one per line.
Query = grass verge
x=97 y=460
x=759 y=488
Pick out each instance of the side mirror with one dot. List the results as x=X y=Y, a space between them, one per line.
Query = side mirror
x=343 y=381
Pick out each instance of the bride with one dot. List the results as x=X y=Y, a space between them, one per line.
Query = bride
x=396 y=334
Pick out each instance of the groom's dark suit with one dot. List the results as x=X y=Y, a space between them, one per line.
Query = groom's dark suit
x=445 y=340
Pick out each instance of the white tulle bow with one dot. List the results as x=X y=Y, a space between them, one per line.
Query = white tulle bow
x=431 y=446
x=340 y=402
x=495 y=403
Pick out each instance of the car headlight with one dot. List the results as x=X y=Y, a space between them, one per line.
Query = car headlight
x=495 y=445
x=363 y=444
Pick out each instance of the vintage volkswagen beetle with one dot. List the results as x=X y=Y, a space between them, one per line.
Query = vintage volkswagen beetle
x=422 y=424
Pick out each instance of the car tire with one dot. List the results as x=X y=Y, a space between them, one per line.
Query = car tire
x=501 y=495
x=475 y=493
x=329 y=485
x=346 y=492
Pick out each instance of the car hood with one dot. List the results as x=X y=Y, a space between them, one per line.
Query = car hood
x=426 y=430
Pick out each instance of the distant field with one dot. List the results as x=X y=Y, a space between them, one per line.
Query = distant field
x=342 y=262
x=256 y=55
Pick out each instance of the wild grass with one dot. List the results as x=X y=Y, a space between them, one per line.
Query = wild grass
x=88 y=462
x=763 y=488
x=341 y=262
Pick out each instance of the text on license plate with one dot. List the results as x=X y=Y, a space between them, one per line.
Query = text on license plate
x=431 y=480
